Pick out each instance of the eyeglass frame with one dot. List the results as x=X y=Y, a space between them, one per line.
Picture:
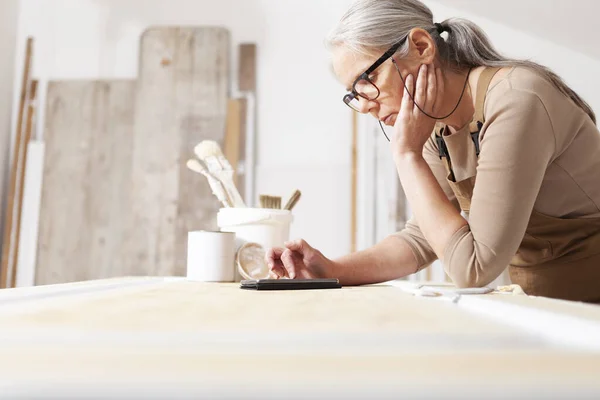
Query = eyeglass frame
x=365 y=75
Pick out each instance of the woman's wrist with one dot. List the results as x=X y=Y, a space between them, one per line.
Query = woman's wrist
x=407 y=157
x=334 y=270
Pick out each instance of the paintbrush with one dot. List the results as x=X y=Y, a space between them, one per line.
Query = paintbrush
x=216 y=186
x=210 y=152
x=293 y=200
x=271 y=202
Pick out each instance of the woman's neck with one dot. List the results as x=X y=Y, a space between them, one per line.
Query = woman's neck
x=454 y=84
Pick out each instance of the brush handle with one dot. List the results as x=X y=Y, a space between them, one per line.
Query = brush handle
x=227 y=181
x=219 y=191
x=215 y=185
x=221 y=169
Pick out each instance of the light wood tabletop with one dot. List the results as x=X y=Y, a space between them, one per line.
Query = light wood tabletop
x=169 y=337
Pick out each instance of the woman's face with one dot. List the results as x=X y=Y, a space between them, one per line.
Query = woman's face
x=349 y=65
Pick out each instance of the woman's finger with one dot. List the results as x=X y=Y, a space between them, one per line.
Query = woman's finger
x=439 y=79
x=290 y=263
x=298 y=245
x=421 y=88
x=278 y=272
x=431 y=89
x=273 y=256
x=407 y=104
x=273 y=260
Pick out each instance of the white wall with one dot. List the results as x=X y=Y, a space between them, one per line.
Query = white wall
x=304 y=129
x=566 y=23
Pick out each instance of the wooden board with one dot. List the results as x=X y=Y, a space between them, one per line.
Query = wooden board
x=181 y=99
x=137 y=336
x=85 y=192
x=29 y=127
x=9 y=237
x=234 y=149
x=247 y=67
x=32 y=191
x=247 y=83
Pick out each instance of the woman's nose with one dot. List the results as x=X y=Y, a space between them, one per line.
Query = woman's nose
x=365 y=106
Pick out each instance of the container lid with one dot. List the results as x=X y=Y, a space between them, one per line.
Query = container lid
x=250 y=261
x=235 y=216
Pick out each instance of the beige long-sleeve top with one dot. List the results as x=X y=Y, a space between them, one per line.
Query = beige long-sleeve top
x=539 y=150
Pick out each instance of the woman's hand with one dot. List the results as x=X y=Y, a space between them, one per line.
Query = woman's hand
x=413 y=128
x=298 y=260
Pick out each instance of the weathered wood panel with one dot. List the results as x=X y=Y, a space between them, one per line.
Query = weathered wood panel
x=88 y=136
x=181 y=99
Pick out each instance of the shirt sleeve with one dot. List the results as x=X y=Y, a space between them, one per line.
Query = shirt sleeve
x=517 y=145
x=411 y=234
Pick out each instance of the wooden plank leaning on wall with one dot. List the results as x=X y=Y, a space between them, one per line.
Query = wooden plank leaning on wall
x=31 y=107
x=179 y=99
x=178 y=104
x=86 y=180
x=234 y=138
x=247 y=84
x=6 y=275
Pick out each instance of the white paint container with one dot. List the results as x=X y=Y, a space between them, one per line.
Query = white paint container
x=211 y=256
x=269 y=228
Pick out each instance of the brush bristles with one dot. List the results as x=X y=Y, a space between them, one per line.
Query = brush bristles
x=195 y=166
x=270 y=202
x=208 y=148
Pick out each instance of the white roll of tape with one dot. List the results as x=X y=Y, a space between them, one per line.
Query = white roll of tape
x=210 y=256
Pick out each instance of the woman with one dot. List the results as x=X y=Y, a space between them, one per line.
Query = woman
x=510 y=176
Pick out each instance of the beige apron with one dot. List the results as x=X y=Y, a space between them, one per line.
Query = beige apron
x=558 y=257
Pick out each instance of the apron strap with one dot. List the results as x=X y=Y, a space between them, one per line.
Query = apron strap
x=482 y=87
x=475 y=126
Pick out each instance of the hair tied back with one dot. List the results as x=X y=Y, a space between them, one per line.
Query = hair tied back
x=440 y=28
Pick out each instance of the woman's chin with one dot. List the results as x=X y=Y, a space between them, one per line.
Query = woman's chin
x=391 y=120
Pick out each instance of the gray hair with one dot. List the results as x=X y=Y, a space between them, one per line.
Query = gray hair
x=376 y=25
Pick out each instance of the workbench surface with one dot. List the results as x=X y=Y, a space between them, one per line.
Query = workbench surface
x=165 y=337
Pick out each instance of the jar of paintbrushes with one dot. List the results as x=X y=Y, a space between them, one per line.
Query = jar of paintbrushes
x=256 y=228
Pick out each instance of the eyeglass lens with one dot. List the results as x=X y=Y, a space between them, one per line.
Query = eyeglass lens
x=364 y=89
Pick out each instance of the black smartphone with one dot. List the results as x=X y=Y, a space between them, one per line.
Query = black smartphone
x=290 y=284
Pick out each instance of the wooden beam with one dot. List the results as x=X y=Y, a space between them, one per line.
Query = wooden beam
x=7 y=240
x=28 y=129
x=247 y=84
x=233 y=135
x=247 y=67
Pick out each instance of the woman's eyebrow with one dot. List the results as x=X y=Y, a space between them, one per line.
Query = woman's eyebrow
x=352 y=84
x=332 y=70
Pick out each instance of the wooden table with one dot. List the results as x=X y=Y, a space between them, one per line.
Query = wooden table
x=168 y=337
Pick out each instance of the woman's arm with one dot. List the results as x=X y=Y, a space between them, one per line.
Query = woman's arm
x=438 y=219
x=390 y=259
x=517 y=147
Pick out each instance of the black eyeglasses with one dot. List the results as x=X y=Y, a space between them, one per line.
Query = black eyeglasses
x=363 y=86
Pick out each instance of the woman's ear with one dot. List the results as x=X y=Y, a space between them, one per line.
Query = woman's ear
x=422 y=46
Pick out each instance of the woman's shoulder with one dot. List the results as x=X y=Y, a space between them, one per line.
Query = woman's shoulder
x=522 y=80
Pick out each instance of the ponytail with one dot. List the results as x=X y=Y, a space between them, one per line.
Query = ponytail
x=467 y=46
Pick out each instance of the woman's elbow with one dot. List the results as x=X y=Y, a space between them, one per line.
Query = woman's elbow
x=474 y=276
